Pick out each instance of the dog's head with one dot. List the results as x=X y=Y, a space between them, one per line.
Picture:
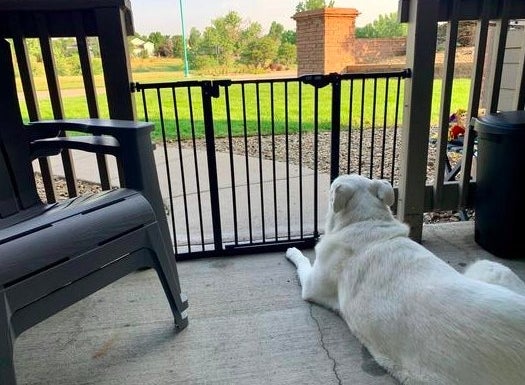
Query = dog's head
x=355 y=198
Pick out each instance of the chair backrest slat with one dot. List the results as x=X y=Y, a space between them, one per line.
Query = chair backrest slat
x=8 y=201
x=17 y=179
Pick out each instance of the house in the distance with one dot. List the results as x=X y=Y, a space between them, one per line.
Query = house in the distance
x=142 y=48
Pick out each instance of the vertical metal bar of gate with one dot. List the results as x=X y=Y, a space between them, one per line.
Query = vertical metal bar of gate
x=350 y=121
x=316 y=158
x=300 y=123
x=361 y=128
x=246 y=160
x=259 y=144
x=385 y=122
x=396 y=127
x=287 y=144
x=274 y=171
x=336 y=125
x=232 y=161
x=209 y=91
x=371 y=172
x=182 y=178
x=196 y=165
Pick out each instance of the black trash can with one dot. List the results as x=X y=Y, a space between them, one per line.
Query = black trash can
x=499 y=201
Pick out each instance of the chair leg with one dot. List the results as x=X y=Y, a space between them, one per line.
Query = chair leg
x=168 y=275
x=177 y=300
x=7 y=367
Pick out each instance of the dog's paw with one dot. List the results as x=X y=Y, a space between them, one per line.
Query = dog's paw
x=293 y=254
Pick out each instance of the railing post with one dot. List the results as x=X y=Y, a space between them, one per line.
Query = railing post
x=209 y=91
x=421 y=43
x=113 y=29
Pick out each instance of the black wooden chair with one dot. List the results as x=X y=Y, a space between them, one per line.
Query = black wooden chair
x=53 y=255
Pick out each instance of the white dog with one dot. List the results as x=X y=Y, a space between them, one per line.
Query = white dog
x=496 y=273
x=422 y=320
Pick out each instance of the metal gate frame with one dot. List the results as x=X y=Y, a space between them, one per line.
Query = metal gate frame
x=274 y=219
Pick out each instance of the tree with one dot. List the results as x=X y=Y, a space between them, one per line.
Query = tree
x=165 y=48
x=251 y=33
x=289 y=36
x=230 y=40
x=65 y=55
x=309 y=5
x=194 y=40
x=276 y=30
x=287 y=53
x=260 y=52
x=222 y=37
x=155 y=37
x=178 y=46
x=33 y=49
x=163 y=44
x=385 y=25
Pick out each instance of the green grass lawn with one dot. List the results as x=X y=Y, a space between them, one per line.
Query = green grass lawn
x=275 y=110
x=278 y=108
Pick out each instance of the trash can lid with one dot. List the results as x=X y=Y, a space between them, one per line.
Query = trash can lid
x=507 y=122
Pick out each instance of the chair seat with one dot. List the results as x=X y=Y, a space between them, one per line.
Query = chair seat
x=56 y=233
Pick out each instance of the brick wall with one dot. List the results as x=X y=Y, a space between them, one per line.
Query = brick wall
x=325 y=40
x=372 y=51
x=326 y=43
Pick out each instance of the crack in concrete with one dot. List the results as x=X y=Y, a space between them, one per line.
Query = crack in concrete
x=334 y=362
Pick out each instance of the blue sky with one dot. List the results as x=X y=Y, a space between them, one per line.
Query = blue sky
x=164 y=15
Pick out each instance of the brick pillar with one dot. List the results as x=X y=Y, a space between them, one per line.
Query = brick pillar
x=325 y=40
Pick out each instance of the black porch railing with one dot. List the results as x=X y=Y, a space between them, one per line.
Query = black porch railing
x=248 y=162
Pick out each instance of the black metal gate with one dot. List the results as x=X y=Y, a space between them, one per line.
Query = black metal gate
x=248 y=163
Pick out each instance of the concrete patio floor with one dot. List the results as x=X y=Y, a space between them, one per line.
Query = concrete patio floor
x=247 y=325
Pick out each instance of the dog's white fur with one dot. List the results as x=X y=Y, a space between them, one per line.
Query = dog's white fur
x=422 y=320
x=496 y=273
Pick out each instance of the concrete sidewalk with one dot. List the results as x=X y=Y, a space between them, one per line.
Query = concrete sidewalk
x=196 y=193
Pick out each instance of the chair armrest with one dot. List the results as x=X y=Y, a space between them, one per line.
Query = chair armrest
x=113 y=127
x=52 y=146
x=129 y=141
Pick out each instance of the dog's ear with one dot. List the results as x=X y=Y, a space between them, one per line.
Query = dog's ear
x=339 y=196
x=385 y=192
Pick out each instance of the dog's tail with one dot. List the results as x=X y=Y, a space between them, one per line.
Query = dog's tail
x=495 y=273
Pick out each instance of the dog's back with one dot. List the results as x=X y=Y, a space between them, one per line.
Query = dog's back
x=479 y=333
x=425 y=322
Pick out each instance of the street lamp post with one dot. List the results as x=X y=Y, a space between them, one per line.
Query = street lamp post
x=186 y=71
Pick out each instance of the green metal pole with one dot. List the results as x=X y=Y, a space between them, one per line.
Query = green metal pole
x=186 y=69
